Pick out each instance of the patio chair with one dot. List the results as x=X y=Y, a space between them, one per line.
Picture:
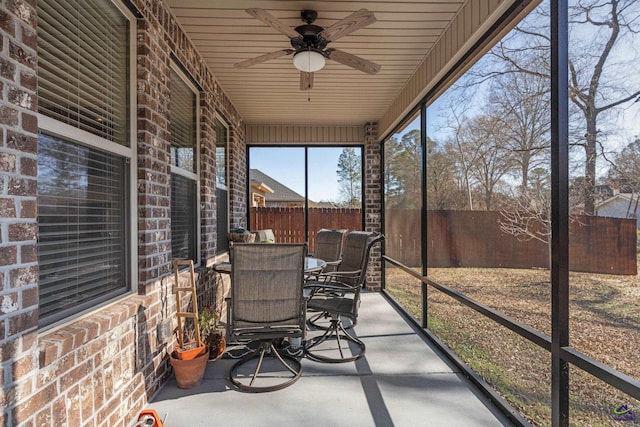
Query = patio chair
x=266 y=303
x=265 y=236
x=329 y=248
x=339 y=297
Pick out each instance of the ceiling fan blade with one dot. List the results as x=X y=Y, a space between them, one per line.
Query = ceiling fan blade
x=353 y=61
x=306 y=80
x=263 y=58
x=355 y=21
x=274 y=22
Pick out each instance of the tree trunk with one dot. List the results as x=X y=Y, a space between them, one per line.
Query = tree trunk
x=589 y=189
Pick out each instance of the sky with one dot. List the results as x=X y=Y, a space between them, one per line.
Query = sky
x=286 y=165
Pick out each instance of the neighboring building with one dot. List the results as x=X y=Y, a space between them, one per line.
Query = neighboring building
x=621 y=206
x=259 y=190
x=267 y=192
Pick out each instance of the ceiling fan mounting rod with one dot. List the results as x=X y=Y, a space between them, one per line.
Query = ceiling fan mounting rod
x=308 y=16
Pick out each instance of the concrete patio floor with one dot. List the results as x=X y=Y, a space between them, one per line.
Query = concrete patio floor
x=401 y=381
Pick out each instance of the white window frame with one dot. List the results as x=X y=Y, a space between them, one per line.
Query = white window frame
x=188 y=174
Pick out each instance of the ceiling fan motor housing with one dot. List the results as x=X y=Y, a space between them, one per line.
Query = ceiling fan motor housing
x=310 y=37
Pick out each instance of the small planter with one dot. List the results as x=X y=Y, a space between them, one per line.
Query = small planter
x=189 y=373
x=189 y=353
x=216 y=344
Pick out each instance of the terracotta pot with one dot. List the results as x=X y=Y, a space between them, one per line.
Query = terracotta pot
x=189 y=373
x=190 y=353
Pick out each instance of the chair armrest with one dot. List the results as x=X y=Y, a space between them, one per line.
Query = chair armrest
x=336 y=262
x=329 y=286
x=332 y=276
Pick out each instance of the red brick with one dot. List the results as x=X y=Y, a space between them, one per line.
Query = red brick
x=20 y=141
x=29 y=37
x=110 y=412
x=23 y=276
x=74 y=376
x=98 y=389
x=7 y=69
x=59 y=412
x=73 y=406
x=57 y=368
x=29 y=122
x=29 y=297
x=22 y=232
x=28 y=341
x=28 y=253
x=23 y=321
x=8 y=162
x=21 y=10
x=8 y=255
x=22 y=187
x=23 y=367
x=44 y=418
x=28 y=166
x=86 y=395
x=8 y=116
x=7 y=23
x=21 y=55
x=22 y=98
x=29 y=407
x=7 y=208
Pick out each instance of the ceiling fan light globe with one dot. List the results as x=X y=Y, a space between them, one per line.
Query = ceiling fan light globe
x=308 y=61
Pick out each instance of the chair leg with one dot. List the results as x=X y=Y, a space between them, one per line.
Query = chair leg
x=266 y=348
x=313 y=321
x=337 y=332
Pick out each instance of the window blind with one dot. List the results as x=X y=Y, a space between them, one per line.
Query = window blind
x=83 y=66
x=183 y=218
x=222 y=220
x=221 y=153
x=82 y=242
x=183 y=124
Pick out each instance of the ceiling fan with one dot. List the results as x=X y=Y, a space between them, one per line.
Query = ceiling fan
x=309 y=43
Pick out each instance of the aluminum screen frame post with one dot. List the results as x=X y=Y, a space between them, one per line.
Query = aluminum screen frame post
x=559 y=212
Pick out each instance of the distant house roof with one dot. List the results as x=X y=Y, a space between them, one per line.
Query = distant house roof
x=281 y=193
x=620 y=206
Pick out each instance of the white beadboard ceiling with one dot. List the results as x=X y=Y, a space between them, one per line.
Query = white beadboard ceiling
x=269 y=93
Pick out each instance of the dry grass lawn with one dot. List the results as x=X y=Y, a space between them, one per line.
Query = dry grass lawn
x=604 y=324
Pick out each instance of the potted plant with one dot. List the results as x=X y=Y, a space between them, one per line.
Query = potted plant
x=189 y=360
x=213 y=337
x=190 y=348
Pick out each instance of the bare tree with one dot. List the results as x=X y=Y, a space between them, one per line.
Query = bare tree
x=626 y=167
x=599 y=32
x=520 y=103
x=480 y=147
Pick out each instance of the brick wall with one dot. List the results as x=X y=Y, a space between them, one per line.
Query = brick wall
x=373 y=200
x=18 y=229
x=99 y=370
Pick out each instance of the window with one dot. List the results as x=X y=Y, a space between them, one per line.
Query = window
x=86 y=159
x=222 y=192
x=184 y=168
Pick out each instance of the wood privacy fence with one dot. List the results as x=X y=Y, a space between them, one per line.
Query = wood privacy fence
x=467 y=238
x=288 y=223
x=474 y=239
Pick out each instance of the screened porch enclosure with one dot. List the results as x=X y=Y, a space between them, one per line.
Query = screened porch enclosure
x=494 y=143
